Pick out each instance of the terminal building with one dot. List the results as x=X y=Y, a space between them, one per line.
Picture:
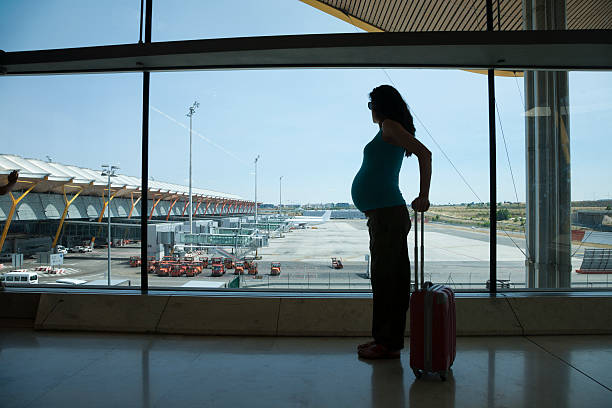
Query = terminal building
x=545 y=345
x=60 y=204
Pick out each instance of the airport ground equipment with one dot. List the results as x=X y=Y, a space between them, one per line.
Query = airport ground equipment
x=275 y=268
x=597 y=261
x=337 y=263
x=248 y=263
x=177 y=269
x=239 y=270
x=433 y=335
x=135 y=261
x=253 y=268
x=217 y=270
x=164 y=267
x=152 y=264
x=191 y=270
x=229 y=263
x=501 y=283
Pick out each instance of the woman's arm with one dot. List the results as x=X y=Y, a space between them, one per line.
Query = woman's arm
x=12 y=180
x=394 y=133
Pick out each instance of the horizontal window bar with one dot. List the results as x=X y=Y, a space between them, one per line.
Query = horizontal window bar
x=514 y=50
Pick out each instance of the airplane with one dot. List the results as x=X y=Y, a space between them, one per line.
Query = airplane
x=303 y=221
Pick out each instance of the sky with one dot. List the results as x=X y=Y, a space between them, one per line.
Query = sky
x=308 y=125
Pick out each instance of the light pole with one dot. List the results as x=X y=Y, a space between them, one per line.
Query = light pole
x=109 y=171
x=192 y=109
x=280 y=195
x=256 y=160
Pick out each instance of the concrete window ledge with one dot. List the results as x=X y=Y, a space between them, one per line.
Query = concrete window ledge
x=292 y=314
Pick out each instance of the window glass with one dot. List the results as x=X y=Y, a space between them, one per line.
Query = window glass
x=65 y=128
x=310 y=128
x=32 y=25
x=557 y=215
x=590 y=108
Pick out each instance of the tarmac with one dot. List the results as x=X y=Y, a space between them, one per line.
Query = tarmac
x=455 y=256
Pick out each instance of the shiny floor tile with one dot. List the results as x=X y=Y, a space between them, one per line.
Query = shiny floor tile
x=60 y=369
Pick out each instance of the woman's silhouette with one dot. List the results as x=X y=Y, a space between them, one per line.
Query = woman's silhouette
x=376 y=192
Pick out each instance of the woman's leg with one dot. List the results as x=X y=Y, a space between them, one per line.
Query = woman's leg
x=390 y=275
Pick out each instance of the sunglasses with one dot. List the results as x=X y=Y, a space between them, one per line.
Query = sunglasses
x=370 y=105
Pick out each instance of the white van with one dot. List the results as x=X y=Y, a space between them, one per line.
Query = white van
x=20 y=277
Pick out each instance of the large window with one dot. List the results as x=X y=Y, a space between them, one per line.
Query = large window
x=290 y=140
x=58 y=132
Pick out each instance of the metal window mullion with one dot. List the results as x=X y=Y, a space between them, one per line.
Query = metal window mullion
x=492 y=168
x=146 y=79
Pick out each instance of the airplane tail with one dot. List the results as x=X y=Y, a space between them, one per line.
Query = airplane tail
x=327 y=215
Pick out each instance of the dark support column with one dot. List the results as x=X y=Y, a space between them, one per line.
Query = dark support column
x=492 y=169
x=144 y=265
x=547 y=160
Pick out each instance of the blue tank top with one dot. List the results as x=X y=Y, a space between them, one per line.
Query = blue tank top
x=376 y=185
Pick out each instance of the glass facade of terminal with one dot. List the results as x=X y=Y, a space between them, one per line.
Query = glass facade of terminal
x=552 y=210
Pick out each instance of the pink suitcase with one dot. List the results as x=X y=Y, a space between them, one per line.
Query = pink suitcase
x=433 y=335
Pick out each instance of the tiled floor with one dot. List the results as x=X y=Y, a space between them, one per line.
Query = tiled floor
x=60 y=369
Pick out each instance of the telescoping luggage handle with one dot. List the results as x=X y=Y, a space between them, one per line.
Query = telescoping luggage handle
x=416 y=251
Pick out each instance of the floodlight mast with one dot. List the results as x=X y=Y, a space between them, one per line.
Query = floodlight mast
x=109 y=171
x=280 y=195
x=256 y=160
x=192 y=109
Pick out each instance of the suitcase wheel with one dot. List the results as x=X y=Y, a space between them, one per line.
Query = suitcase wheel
x=417 y=373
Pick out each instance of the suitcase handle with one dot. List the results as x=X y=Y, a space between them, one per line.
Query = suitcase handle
x=416 y=251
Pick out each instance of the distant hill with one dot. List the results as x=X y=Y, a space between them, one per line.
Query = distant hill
x=593 y=203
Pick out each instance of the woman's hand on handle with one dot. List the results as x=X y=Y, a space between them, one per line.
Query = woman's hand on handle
x=420 y=204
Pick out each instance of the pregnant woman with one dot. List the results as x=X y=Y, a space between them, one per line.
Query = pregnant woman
x=376 y=192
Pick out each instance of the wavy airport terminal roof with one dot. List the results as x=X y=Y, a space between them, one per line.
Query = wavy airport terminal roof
x=51 y=177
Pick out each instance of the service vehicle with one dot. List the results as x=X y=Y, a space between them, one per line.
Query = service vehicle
x=253 y=268
x=229 y=263
x=337 y=263
x=239 y=270
x=248 y=261
x=20 y=276
x=163 y=268
x=501 y=283
x=152 y=264
x=275 y=268
x=218 y=270
x=61 y=249
x=135 y=261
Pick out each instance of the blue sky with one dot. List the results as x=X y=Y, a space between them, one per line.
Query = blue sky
x=309 y=126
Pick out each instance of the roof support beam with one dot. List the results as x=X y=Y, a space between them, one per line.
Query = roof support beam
x=207 y=205
x=170 y=209
x=154 y=205
x=9 y=218
x=198 y=206
x=106 y=204
x=67 y=204
x=133 y=204
x=513 y=50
